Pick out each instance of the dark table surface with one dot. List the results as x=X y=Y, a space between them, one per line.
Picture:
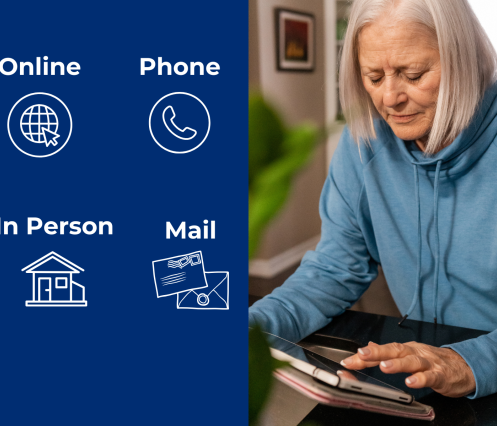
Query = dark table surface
x=353 y=330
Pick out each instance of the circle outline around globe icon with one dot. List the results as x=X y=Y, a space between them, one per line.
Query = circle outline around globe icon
x=166 y=114
x=44 y=141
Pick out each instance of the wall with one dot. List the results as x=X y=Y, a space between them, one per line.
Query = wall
x=299 y=96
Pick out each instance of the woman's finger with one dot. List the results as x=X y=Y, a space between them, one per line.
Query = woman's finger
x=384 y=352
x=430 y=378
x=407 y=364
x=344 y=374
x=355 y=363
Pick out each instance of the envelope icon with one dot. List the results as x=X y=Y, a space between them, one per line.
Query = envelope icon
x=179 y=273
x=215 y=296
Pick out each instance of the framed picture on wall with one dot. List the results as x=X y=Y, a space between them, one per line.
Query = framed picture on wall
x=295 y=43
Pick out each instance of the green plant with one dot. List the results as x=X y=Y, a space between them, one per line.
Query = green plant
x=261 y=367
x=341 y=28
x=276 y=154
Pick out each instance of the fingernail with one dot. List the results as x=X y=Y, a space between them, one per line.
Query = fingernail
x=364 y=351
x=339 y=372
x=411 y=380
x=387 y=364
x=344 y=362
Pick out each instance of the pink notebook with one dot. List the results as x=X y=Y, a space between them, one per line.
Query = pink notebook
x=335 y=397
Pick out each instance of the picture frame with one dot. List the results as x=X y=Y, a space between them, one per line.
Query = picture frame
x=295 y=40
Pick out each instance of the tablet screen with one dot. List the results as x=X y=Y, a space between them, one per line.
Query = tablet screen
x=321 y=362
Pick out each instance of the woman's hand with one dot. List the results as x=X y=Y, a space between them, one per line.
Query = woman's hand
x=441 y=369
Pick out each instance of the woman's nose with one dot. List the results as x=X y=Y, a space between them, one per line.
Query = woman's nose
x=394 y=93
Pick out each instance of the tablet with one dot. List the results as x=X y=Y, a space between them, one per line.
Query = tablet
x=332 y=373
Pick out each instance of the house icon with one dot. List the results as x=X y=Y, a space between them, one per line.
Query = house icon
x=52 y=282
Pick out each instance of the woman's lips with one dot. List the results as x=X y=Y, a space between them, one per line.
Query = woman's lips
x=403 y=118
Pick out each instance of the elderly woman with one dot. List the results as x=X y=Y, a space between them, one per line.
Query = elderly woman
x=413 y=187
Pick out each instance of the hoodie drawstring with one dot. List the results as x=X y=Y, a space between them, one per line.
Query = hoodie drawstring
x=418 y=270
x=437 y=242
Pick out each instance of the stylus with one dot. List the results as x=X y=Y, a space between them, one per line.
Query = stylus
x=305 y=367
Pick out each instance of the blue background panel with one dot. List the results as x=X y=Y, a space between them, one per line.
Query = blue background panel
x=129 y=357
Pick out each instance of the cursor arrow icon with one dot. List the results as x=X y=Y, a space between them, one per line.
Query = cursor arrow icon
x=50 y=136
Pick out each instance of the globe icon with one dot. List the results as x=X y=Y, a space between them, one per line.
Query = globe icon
x=35 y=119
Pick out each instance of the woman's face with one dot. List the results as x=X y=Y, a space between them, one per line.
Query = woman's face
x=400 y=68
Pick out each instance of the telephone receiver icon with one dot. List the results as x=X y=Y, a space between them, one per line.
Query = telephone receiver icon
x=185 y=134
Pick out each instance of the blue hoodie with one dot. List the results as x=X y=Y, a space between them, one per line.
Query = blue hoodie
x=431 y=222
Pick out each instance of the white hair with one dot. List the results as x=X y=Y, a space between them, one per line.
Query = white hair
x=467 y=57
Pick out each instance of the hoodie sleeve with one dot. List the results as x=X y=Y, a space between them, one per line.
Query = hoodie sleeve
x=481 y=356
x=334 y=276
